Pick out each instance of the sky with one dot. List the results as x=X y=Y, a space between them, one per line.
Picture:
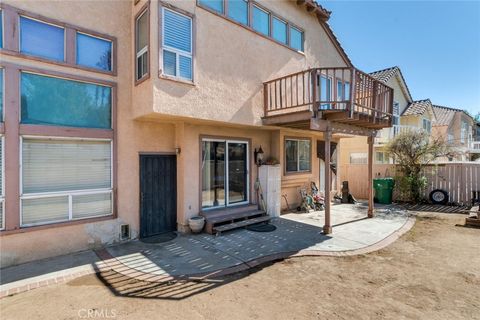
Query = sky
x=436 y=44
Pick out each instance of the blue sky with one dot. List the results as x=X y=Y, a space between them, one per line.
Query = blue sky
x=435 y=43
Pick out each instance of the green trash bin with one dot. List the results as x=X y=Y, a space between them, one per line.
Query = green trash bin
x=383 y=190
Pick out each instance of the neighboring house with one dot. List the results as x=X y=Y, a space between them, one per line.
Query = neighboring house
x=407 y=115
x=123 y=121
x=458 y=128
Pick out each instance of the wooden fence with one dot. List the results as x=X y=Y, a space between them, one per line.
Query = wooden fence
x=458 y=179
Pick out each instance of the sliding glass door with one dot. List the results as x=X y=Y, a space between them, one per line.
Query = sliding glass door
x=224 y=173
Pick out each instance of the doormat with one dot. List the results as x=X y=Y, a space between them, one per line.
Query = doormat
x=164 y=237
x=261 y=227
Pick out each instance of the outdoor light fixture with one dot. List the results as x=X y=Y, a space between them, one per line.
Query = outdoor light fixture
x=258 y=155
x=178 y=150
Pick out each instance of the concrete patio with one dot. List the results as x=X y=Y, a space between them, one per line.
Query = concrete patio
x=205 y=256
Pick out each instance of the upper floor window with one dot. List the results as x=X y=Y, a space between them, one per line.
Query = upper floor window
x=141 y=45
x=279 y=31
x=60 y=102
x=94 y=52
x=358 y=158
x=42 y=39
x=177 y=45
x=261 y=21
x=427 y=125
x=396 y=113
x=296 y=39
x=464 y=131
x=1 y=29
x=297 y=155
x=238 y=11
x=216 y=5
x=1 y=94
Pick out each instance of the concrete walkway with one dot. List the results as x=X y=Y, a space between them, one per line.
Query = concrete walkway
x=205 y=256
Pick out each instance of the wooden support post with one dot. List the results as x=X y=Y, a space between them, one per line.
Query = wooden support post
x=327 y=228
x=370 y=176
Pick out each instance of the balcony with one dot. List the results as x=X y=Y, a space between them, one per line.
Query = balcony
x=342 y=95
x=385 y=135
x=474 y=147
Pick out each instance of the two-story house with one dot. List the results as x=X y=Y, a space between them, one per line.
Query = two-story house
x=407 y=115
x=457 y=127
x=123 y=120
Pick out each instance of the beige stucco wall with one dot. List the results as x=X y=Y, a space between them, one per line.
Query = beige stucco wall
x=231 y=63
x=228 y=82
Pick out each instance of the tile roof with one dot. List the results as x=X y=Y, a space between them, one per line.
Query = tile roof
x=417 y=107
x=386 y=74
x=445 y=115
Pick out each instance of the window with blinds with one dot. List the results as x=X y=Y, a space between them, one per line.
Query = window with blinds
x=65 y=180
x=2 y=192
x=177 y=44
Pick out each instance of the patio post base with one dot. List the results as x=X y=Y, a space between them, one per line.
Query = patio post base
x=370 y=214
x=327 y=229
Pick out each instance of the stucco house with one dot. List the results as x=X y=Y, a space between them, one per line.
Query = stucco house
x=457 y=127
x=123 y=120
x=407 y=115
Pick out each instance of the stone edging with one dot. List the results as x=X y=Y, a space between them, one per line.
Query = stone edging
x=111 y=263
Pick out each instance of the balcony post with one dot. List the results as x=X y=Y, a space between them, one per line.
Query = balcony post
x=352 y=91
x=370 y=175
x=265 y=100
x=327 y=228
x=314 y=92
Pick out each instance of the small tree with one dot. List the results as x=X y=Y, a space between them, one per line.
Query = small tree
x=413 y=150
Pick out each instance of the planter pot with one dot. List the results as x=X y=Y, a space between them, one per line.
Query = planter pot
x=196 y=224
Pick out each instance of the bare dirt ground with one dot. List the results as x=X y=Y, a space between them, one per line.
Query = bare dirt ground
x=432 y=272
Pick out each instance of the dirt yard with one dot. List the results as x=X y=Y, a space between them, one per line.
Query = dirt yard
x=432 y=272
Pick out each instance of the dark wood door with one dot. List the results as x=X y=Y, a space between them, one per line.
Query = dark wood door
x=158 y=194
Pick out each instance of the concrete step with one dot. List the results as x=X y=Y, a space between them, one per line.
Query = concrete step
x=240 y=224
x=216 y=218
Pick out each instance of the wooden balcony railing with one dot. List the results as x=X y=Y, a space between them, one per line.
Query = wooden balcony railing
x=358 y=97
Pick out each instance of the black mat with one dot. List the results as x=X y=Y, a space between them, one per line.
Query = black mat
x=164 y=237
x=261 y=227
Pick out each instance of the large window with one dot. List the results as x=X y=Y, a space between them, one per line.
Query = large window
x=65 y=180
x=216 y=5
x=2 y=187
x=94 y=52
x=177 y=45
x=261 y=21
x=238 y=11
x=54 y=101
x=358 y=158
x=141 y=45
x=42 y=39
x=296 y=39
x=279 y=31
x=297 y=155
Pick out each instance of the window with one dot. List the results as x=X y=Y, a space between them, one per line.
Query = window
x=41 y=39
x=297 y=155
x=450 y=137
x=141 y=45
x=279 y=32
x=1 y=94
x=1 y=29
x=358 y=158
x=2 y=187
x=177 y=45
x=261 y=21
x=427 y=125
x=54 y=101
x=382 y=158
x=396 y=113
x=325 y=87
x=65 y=180
x=238 y=11
x=94 y=52
x=296 y=39
x=216 y=5
x=464 y=132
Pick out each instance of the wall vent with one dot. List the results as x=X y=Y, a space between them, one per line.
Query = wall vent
x=125 y=232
